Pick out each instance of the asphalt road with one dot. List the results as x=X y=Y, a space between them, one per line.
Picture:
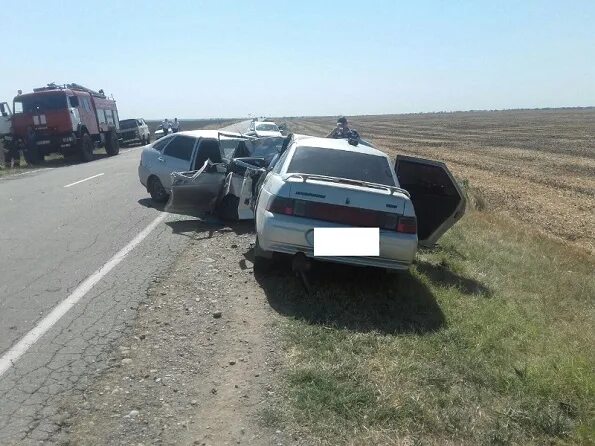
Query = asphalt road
x=58 y=229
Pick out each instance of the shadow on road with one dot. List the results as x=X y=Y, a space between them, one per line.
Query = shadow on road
x=201 y=229
x=149 y=203
x=353 y=298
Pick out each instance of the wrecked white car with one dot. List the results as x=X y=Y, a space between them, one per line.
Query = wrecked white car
x=224 y=185
x=328 y=183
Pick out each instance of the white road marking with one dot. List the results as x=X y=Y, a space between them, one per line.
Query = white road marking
x=86 y=179
x=25 y=173
x=11 y=356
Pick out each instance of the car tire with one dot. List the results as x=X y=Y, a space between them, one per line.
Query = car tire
x=157 y=191
x=227 y=210
x=86 y=147
x=112 y=145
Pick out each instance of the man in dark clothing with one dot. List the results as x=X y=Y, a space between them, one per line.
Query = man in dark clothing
x=342 y=130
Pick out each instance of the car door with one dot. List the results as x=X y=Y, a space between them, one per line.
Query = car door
x=196 y=193
x=437 y=198
x=176 y=157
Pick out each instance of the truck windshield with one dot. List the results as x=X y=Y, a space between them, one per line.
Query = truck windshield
x=128 y=123
x=40 y=103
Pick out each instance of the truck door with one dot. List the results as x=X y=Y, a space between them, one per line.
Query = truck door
x=5 y=117
x=436 y=196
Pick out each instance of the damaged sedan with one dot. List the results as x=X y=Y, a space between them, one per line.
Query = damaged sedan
x=308 y=183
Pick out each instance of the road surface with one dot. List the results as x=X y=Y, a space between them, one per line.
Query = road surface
x=59 y=231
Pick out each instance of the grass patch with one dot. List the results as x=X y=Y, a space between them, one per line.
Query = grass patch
x=488 y=340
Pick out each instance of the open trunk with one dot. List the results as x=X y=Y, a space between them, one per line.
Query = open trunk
x=436 y=196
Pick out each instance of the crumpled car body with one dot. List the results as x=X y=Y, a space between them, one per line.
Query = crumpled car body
x=225 y=189
x=231 y=189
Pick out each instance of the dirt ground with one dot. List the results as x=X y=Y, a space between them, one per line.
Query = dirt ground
x=537 y=166
x=198 y=367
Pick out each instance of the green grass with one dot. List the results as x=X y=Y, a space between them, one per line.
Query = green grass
x=489 y=340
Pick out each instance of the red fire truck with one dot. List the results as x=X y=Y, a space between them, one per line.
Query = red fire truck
x=68 y=119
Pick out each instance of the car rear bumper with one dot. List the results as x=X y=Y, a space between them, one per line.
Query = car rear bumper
x=291 y=235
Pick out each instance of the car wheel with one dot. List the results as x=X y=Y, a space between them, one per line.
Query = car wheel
x=86 y=147
x=112 y=146
x=157 y=191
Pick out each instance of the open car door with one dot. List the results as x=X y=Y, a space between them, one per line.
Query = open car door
x=195 y=193
x=438 y=200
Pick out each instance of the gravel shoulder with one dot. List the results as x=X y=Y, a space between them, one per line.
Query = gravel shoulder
x=199 y=366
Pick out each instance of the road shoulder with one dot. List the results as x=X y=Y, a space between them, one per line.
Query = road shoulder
x=199 y=365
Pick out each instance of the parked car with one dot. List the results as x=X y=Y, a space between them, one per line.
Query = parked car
x=263 y=129
x=134 y=131
x=336 y=183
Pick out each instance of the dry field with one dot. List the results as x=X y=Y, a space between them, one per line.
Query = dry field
x=537 y=166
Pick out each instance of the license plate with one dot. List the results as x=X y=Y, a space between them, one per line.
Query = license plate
x=330 y=242
x=41 y=143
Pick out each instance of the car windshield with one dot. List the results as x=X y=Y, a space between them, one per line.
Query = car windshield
x=342 y=164
x=267 y=127
x=128 y=123
x=40 y=102
x=265 y=148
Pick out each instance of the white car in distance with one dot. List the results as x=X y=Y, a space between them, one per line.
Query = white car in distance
x=263 y=129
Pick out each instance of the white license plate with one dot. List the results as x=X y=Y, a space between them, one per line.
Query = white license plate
x=329 y=242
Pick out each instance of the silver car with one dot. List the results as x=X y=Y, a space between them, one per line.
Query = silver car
x=208 y=171
x=336 y=183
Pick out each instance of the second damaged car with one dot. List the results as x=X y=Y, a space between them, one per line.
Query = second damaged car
x=224 y=184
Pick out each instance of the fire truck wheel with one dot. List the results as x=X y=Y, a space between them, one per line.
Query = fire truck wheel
x=112 y=146
x=32 y=155
x=157 y=191
x=86 y=148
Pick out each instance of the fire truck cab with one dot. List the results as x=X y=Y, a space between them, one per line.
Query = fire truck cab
x=68 y=119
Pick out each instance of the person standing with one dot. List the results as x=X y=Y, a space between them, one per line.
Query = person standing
x=175 y=126
x=341 y=130
x=165 y=125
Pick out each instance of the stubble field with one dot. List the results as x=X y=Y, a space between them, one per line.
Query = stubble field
x=536 y=166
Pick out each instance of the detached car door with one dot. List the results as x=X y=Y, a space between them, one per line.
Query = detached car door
x=437 y=198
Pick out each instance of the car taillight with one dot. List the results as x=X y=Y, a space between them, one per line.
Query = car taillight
x=407 y=225
x=281 y=205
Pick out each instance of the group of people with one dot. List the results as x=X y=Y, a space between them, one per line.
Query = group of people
x=170 y=126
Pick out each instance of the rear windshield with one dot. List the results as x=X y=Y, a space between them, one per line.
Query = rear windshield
x=342 y=164
x=128 y=123
x=40 y=103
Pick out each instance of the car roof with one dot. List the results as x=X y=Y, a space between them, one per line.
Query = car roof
x=336 y=144
x=207 y=133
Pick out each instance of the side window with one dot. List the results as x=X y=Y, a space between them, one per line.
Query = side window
x=181 y=147
x=160 y=144
x=109 y=117
x=280 y=161
x=101 y=116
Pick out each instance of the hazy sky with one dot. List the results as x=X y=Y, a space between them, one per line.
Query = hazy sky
x=286 y=58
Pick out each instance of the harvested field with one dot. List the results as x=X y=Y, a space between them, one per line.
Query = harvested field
x=537 y=166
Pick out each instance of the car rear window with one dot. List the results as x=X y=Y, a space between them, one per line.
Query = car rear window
x=342 y=164
x=128 y=123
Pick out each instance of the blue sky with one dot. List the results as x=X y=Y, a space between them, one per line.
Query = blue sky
x=198 y=59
